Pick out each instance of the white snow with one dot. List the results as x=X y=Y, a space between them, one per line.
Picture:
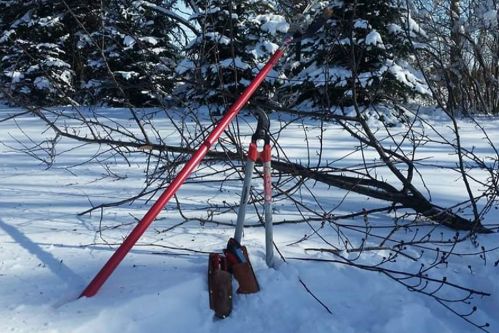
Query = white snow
x=6 y=35
x=320 y=76
x=263 y=48
x=414 y=27
x=272 y=23
x=55 y=62
x=361 y=24
x=344 y=41
x=66 y=76
x=158 y=50
x=51 y=46
x=184 y=66
x=213 y=36
x=129 y=41
x=149 y=40
x=374 y=38
x=25 y=90
x=237 y=62
x=42 y=83
x=48 y=21
x=16 y=76
x=48 y=253
x=127 y=75
x=26 y=18
x=409 y=78
x=83 y=40
x=95 y=63
x=394 y=29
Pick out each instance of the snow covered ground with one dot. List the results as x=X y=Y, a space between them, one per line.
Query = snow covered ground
x=48 y=253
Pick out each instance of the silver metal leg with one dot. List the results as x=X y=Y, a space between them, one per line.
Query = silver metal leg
x=269 y=244
x=241 y=214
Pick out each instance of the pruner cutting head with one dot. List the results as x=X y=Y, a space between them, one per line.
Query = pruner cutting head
x=262 y=129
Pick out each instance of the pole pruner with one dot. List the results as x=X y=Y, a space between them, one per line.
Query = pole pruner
x=265 y=156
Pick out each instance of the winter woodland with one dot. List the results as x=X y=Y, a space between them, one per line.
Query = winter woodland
x=384 y=127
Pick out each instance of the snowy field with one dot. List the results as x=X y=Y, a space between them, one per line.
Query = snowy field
x=48 y=253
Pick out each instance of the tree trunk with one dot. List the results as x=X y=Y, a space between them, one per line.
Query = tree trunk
x=454 y=102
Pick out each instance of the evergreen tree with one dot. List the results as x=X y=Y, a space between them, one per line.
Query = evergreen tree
x=81 y=19
x=114 y=52
x=373 y=33
x=237 y=38
x=35 y=67
x=131 y=57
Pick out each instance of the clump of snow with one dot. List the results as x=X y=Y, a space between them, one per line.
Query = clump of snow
x=345 y=41
x=374 y=38
x=361 y=24
x=49 y=21
x=129 y=41
x=414 y=27
x=408 y=77
x=48 y=46
x=6 y=35
x=149 y=40
x=26 y=18
x=237 y=62
x=42 y=83
x=320 y=76
x=272 y=23
x=184 y=66
x=83 y=41
x=33 y=68
x=127 y=75
x=263 y=48
x=212 y=36
x=16 y=76
x=66 y=77
x=95 y=63
x=55 y=62
x=394 y=28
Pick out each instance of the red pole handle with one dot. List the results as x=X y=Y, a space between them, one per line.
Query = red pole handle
x=113 y=262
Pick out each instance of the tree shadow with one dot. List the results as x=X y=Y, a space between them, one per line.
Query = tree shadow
x=57 y=267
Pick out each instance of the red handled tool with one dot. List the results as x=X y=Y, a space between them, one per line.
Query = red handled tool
x=188 y=168
x=113 y=262
x=265 y=156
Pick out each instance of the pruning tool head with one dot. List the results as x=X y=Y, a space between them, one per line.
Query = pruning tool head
x=262 y=129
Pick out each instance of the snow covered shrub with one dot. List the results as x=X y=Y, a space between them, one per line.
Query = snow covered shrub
x=131 y=56
x=237 y=38
x=58 y=52
x=35 y=67
x=366 y=45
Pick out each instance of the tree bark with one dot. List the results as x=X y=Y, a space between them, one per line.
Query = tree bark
x=455 y=60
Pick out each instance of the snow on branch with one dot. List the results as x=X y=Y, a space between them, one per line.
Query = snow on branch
x=169 y=14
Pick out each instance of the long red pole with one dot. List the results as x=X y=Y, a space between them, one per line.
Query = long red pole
x=113 y=262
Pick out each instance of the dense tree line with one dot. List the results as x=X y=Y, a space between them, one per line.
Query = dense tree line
x=141 y=53
x=86 y=52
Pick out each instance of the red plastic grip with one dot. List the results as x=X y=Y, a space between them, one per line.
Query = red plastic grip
x=266 y=155
x=253 y=152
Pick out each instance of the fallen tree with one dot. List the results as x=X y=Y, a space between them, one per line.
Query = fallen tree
x=408 y=197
